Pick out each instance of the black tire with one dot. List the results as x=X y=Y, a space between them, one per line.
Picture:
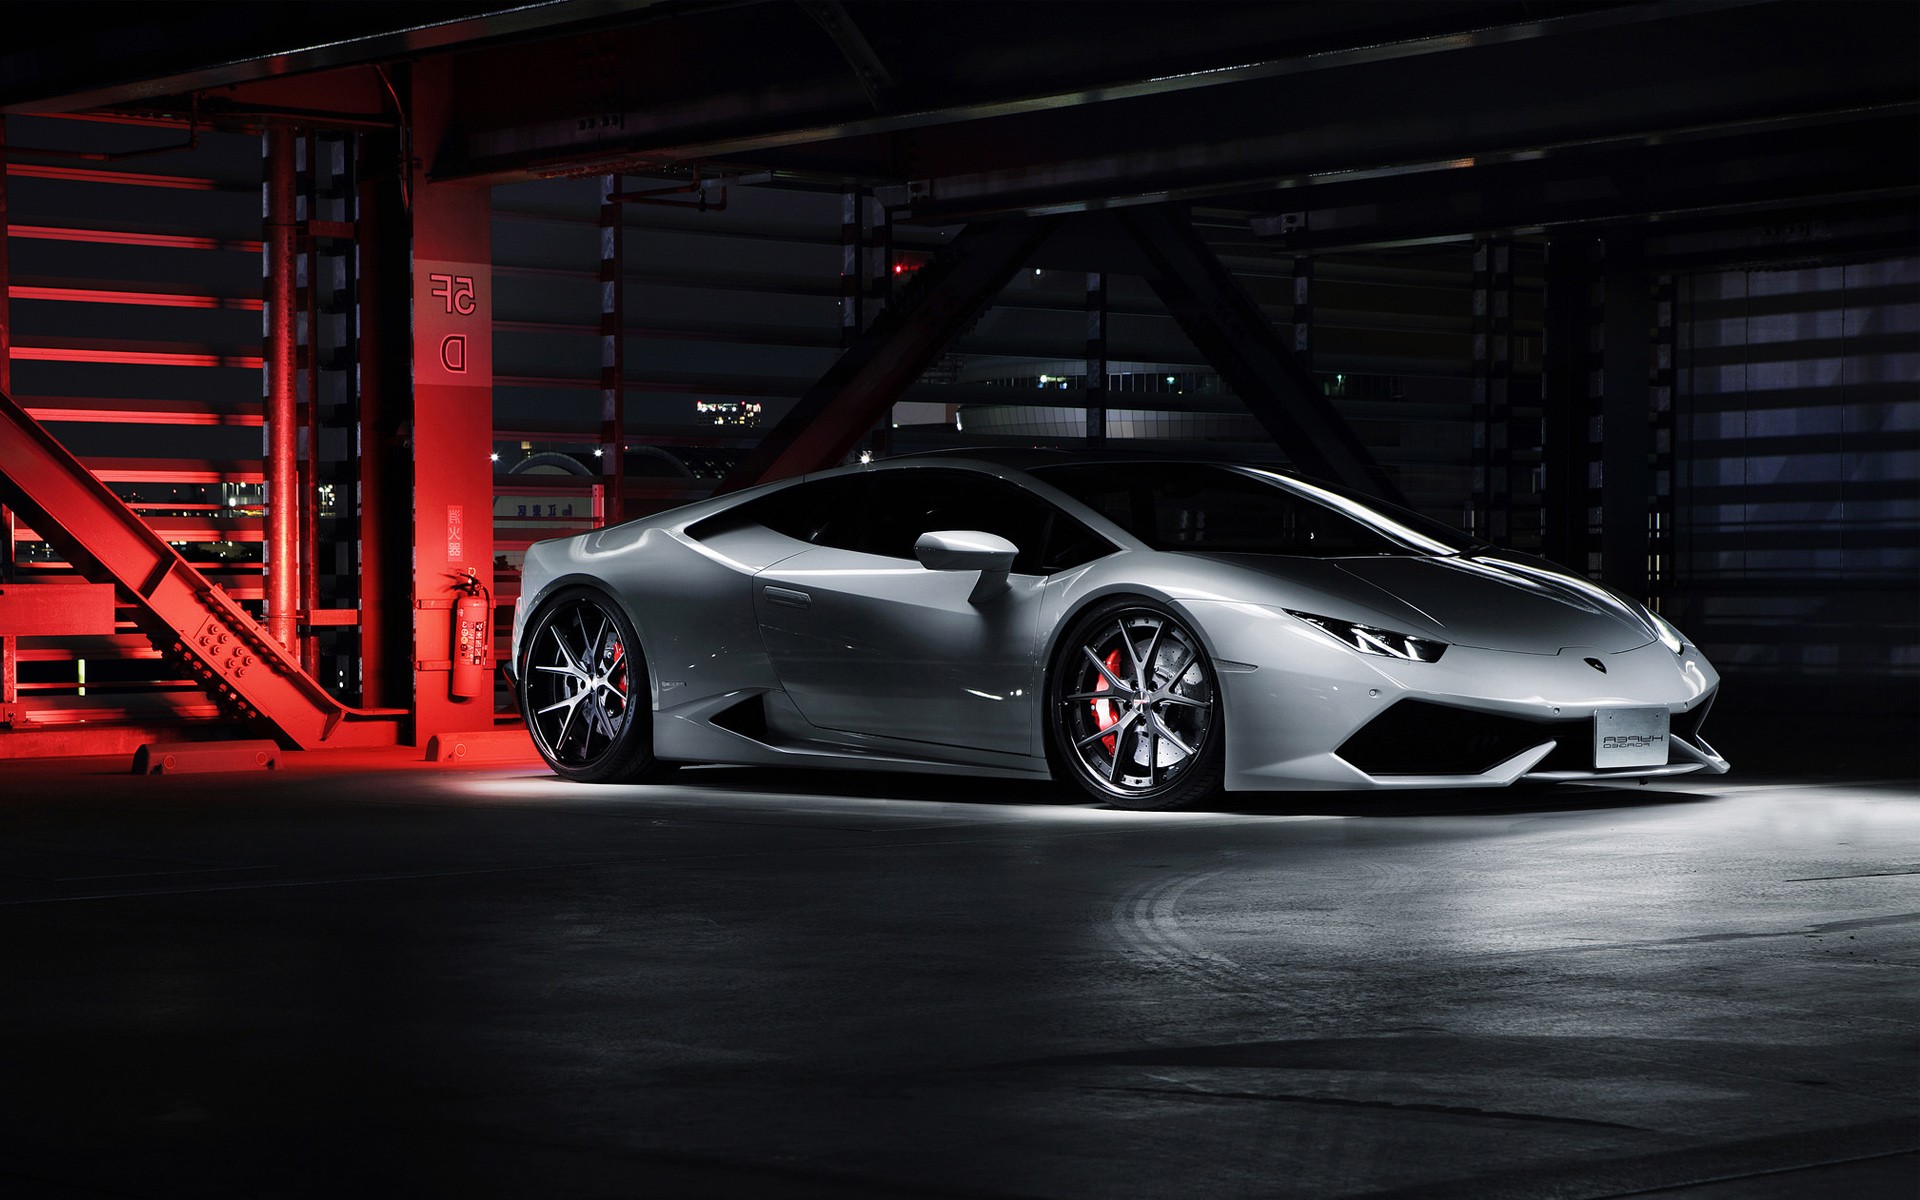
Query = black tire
x=1148 y=735
x=584 y=690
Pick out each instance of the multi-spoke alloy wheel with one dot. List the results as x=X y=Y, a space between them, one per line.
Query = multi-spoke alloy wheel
x=1135 y=713
x=583 y=689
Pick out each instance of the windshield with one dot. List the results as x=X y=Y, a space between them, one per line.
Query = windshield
x=1247 y=510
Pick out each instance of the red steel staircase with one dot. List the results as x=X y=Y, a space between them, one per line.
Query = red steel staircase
x=189 y=618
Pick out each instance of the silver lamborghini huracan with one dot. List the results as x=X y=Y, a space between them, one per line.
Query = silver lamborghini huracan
x=1155 y=631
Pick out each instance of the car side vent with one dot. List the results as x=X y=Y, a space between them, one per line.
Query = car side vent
x=747 y=718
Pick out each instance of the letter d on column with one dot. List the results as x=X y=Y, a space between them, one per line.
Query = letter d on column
x=453 y=353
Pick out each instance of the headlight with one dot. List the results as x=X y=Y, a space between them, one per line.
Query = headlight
x=1369 y=640
x=1670 y=637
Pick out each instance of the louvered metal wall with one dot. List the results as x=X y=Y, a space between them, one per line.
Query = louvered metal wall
x=747 y=304
x=1797 y=481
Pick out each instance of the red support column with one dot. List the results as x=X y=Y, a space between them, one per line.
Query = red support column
x=6 y=356
x=9 y=645
x=382 y=315
x=309 y=457
x=281 y=268
x=452 y=416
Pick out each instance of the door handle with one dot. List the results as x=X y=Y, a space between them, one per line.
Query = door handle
x=789 y=597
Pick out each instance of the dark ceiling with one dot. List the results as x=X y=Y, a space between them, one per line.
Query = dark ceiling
x=1322 y=124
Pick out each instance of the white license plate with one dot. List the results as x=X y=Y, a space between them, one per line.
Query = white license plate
x=1630 y=737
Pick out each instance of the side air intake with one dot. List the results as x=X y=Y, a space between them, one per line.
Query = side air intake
x=1418 y=737
x=748 y=718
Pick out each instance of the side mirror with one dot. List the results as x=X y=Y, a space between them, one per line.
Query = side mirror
x=969 y=550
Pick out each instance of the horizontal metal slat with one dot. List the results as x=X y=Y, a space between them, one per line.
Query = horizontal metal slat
x=190 y=183
x=175 y=530
x=128 y=235
x=157 y=354
x=109 y=410
x=183 y=706
x=138 y=295
x=175 y=470
x=122 y=646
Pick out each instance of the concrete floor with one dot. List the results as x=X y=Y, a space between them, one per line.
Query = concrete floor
x=400 y=979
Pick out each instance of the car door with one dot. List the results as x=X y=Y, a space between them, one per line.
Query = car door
x=866 y=640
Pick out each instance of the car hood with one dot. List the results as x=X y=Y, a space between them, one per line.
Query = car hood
x=1494 y=601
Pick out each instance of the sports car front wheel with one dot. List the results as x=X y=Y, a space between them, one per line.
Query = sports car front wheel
x=584 y=691
x=1134 y=709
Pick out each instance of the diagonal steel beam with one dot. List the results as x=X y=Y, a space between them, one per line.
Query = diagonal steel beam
x=188 y=617
x=1228 y=326
x=839 y=409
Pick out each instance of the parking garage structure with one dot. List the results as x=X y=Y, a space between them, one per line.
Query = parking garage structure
x=313 y=320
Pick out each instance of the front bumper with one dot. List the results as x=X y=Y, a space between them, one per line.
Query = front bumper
x=1417 y=738
x=1296 y=701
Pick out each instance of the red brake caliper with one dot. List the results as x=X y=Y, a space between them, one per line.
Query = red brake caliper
x=1103 y=710
x=620 y=676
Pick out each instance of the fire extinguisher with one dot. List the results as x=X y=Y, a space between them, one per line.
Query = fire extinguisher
x=472 y=639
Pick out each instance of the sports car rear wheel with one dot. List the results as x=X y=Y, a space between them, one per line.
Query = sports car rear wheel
x=584 y=690
x=1135 y=710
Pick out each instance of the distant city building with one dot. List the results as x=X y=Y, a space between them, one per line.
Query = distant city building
x=743 y=414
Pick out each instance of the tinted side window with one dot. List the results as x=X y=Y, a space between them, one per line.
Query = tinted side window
x=906 y=504
x=826 y=512
x=885 y=512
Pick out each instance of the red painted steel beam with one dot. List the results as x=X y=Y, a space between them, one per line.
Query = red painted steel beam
x=7 y=540
x=234 y=658
x=309 y=248
x=56 y=609
x=282 y=268
x=114 y=410
x=173 y=470
x=130 y=296
x=945 y=296
x=382 y=313
x=123 y=646
x=130 y=237
x=121 y=178
x=7 y=232
x=172 y=530
x=9 y=679
x=144 y=354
